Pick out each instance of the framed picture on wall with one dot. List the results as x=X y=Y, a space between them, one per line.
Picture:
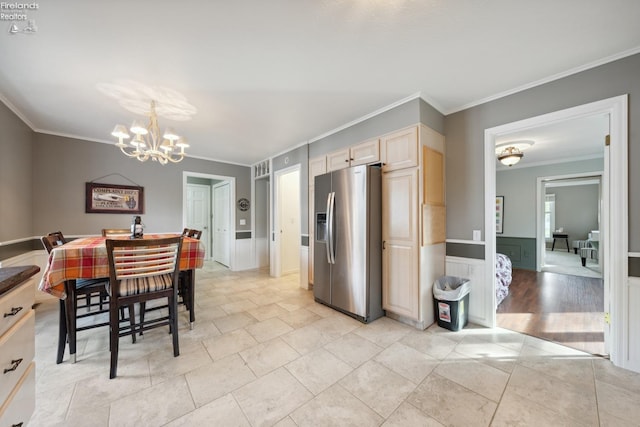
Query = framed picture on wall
x=110 y=198
x=499 y=214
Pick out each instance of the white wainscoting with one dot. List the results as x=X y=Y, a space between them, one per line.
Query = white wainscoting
x=304 y=267
x=244 y=258
x=633 y=331
x=474 y=270
x=262 y=252
x=38 y=258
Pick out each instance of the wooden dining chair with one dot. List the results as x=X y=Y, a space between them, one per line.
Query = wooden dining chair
x=77 y=290
x=186 y=287
x=142 y=271
x=115 y=232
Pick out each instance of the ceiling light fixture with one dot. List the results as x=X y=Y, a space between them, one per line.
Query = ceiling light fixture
x=148 y=144
x=510 y=156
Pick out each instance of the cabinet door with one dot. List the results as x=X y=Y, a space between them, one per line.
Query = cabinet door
x=399 y=149
x=365 y=152
x=317 y=166
x=338 y=160
x=400 y=255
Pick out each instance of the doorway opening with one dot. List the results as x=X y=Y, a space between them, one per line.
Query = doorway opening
x=613 y=221
x=207 y=206
x=287 y=222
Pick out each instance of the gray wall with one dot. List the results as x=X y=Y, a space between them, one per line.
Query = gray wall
x=518 y=186
x=61 y=166
x=464 y=132
x=576 y=210
x=16 y=205
x=261 y=207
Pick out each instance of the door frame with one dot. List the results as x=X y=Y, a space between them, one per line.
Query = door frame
x=232 y=213
x=275 y=267
x=615 y=215
x=213 y=214
x=209 y=223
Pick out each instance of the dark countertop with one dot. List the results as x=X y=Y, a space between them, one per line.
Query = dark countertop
x=10 y=277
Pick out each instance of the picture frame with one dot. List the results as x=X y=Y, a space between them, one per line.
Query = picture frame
x=111 y=198
x=499 y=214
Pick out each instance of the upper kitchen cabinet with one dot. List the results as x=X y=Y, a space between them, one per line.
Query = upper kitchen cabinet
x=399 y=150
x=361 y=154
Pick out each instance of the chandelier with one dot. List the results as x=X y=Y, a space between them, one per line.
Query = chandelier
x=147 y=142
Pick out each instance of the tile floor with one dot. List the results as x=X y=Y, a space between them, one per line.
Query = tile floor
x=263 y=353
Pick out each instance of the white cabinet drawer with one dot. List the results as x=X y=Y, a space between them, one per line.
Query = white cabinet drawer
x=17 y=410
x=15 y=304
x=17 y=350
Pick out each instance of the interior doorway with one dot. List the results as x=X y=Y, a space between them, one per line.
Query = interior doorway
x=287 y=224
x=614 y=232
x=195 y=215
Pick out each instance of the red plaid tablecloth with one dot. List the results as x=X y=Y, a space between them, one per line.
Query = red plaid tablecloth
x=86 y=258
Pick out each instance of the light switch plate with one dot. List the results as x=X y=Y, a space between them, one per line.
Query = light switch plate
x=477 y=235
x=243 y=222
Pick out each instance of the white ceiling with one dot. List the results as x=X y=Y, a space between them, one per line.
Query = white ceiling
x=264 y=76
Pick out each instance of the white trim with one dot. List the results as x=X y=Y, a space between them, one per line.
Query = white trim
x=466 y=242
x=548 y=162
x=634 y=254
x=232 y=218
x=366 y=117
x=275 y=269
x=615 y=242
x=24 y=239
x=15 y=111
x=545 y=80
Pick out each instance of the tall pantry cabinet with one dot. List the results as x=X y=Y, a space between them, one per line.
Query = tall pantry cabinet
x=413 y=222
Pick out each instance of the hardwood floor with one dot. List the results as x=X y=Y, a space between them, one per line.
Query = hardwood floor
x=557 y=307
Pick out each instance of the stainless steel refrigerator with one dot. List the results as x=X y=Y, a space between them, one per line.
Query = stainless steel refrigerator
x=348 y=241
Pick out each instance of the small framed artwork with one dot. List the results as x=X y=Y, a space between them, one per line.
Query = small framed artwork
x=499 y=214
x=110 y=198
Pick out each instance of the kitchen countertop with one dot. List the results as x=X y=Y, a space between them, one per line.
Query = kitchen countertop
x=10 y=277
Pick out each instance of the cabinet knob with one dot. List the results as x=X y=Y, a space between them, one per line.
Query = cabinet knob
x=384 y=244
x=346 y=160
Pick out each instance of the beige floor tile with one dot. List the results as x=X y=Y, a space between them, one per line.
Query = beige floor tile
x=335 y=407
x=233 y=321
x=306 y=339
x=268 y=329
x=618 y=402
x=271 y=398
x=267 y=311
x=211 y=382
x=230 y=343
x=299 y=317
x=435 y=345
x=286 y=422
x=318 y=370
x=238 y=306
x=90 y=416
x=478 y=377
x=163 y=366
x=607 y=373
x=572 y=369
x=266 y=357
x=378 y=387
x=153 y=406
x=353 y=349
x=52 y=405
x=333 y=327
x=410 y=416
x=496 y=355
x=515 y=410
x=609 y=420
x=223 y=412
x=383 y=331
x=575 y=401
x=321 y=309
x=452 y=404
x=407 y=361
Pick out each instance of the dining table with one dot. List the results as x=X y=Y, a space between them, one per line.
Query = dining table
x=86 y=258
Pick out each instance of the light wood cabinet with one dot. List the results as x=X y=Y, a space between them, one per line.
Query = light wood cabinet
x=413 y=223
x=317 y=166
x=400 y=254
x=361 y=154
x=17 y=346
x=399 y=150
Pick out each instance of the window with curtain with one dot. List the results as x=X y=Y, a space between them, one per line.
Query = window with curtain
x=549 y=215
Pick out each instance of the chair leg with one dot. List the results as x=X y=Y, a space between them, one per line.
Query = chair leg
x=114 y=329
x=71 y=308
x=173 y=308
x=190 y=295
x=143 y=308
x=62 y=332
x=132 y=322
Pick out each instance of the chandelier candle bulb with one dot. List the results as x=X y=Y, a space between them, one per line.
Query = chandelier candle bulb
x=148 y=142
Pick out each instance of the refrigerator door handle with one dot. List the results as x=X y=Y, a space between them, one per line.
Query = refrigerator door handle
x=331 y=253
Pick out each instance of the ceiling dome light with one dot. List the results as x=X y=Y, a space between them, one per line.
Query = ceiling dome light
x=510 y=156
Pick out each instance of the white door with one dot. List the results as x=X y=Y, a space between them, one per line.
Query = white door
x=221 y=223
x=289 y=221
x=199 y=213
